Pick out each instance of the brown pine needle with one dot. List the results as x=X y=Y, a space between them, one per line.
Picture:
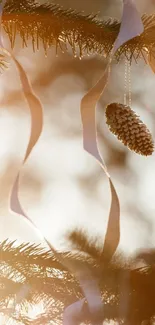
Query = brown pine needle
x=3 y=63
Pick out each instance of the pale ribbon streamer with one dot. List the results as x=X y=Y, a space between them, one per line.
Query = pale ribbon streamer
x=131 y=26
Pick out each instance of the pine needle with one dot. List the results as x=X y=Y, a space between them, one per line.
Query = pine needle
x=80 y=241
x=4 y=64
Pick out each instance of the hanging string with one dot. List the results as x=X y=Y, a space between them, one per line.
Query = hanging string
x=127 y=84
x=125 y=81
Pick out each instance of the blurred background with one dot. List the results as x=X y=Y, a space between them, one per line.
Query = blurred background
x=62 y=187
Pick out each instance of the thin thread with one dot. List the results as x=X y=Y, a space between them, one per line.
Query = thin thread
x=125 y=82
x=129 y=84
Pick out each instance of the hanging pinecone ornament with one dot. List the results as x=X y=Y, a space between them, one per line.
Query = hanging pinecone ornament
x=129 y=129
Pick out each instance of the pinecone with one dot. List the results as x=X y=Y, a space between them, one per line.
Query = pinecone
x=129 y=129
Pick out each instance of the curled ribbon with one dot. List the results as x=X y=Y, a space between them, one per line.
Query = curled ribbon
x=131 y=26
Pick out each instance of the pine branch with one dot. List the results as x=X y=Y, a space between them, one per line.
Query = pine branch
x=50 y=25
x=48 y=283
x=29 y=263
x=30 y=266
x=80 y=241
x=28 y=255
